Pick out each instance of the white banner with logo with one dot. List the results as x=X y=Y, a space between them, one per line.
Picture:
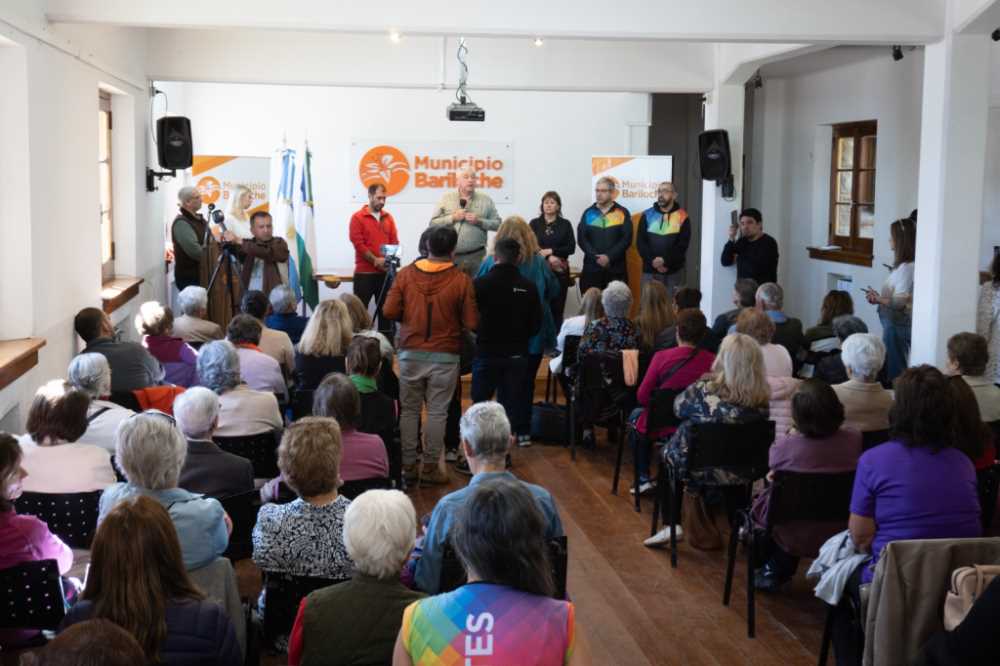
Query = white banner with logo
x=421 y=171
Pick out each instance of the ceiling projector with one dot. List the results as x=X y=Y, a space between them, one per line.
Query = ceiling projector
x=466 y=111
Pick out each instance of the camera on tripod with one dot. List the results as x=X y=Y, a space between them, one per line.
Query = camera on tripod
x=391 y=254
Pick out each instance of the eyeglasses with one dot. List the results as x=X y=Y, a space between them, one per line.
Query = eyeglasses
x=601 y=190
x=156 y=412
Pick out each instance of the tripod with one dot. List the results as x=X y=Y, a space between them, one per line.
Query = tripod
x=226 y=259
x=392 y=263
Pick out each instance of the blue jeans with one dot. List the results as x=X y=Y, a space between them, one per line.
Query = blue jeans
x=505 y=376
x=896 y=328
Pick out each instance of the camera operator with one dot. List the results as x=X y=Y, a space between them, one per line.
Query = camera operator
x=371 y=228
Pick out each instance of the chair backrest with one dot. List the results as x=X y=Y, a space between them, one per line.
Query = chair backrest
x=453 y=574
x=260 y=449
x=741 y=448
x=196 y=344
x=242 y=510
x=35 y=596
x=600 y=389
x=126 y=399
x=571 y=345
x=661 y=410
x=351 y=489
x=810 y=496
x=988 y=483
x=282 y=595
x=873 y=438
x=70 y=516
x=302 y=403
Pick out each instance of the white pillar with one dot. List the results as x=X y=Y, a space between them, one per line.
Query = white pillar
x=723 y=110
x=956 y=91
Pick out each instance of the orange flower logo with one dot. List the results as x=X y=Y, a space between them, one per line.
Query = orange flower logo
x=385 y=165
x=210 y=189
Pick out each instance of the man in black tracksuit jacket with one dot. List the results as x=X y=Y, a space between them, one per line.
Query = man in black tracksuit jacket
x=510 y=313
x=604 y=234
x=664 y=233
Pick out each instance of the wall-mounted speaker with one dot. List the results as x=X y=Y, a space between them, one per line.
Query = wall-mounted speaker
x=713 y=149
x=173 y=142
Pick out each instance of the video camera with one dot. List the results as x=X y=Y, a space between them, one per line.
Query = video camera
x=391 y=253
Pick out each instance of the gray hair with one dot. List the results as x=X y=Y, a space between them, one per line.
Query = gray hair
x=771 y=295
x=609 y=181
x=282 y=299
x=91 y=374
x=844 y=326
x=863 y=355
x=380 y=528
x=486 y=429
x=219 y=366
x=150 y=451
x=192 y=300
x=196 y=410
x=616 y=299
x=185 y=194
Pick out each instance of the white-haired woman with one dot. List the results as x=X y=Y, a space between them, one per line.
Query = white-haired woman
x=323 y=346
x=155 y=323
x=193 y=325
x=150 y=453
x=242 y=410
x=237 y=217
x=91 y=374
x=283 y=316
x=614 y=331
x=380 y=527
x=866 y=402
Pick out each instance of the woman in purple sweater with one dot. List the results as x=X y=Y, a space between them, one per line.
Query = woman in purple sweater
x=155 y=324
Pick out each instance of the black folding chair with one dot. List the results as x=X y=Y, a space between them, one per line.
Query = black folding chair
x=260 y=449
x=794 y=496
x=599 y=392
x=351 y=489
x=660 y=414
x=302 y=403
x=125 y=399
x=738 y=448
x=35 y=594
x=571 y=346
x=242 y=510
x=873 y=438
x=282 y=595
x=988 y=482
x=70 y=516
x=453 y=574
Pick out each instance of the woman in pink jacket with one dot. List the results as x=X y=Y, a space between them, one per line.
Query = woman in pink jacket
x=777 y=367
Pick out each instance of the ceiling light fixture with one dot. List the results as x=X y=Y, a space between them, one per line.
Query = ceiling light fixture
x=539 y=41
x=394 y=36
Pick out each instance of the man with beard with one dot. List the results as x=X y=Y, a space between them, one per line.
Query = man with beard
x=664 y=234
x=371 y=228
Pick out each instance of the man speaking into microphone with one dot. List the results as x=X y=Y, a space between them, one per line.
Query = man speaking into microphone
x=471 y=214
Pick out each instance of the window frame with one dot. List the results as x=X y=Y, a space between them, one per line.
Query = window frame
x=852 y=244
x=107 y=267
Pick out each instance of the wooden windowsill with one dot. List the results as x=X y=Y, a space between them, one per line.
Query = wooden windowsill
x=17 y=357
x=118 y=291
x=841 y=256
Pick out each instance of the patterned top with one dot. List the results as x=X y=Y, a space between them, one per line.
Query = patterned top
x=698 y=405
x=609 y=334
x=988 y=326
x=483 y=623
x=303 y=540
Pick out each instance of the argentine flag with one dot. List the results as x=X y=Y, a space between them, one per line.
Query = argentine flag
x=302 y=235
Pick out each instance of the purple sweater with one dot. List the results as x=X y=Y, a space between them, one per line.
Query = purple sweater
x=178 y=358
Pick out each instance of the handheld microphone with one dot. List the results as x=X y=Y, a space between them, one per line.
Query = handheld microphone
x=462 y=202
x=219 y=218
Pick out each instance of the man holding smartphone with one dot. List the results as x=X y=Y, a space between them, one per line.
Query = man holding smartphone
x=754 y=252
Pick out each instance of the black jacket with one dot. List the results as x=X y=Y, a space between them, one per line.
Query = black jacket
x=757 y=259
x=510 y=311
x=664 y=235
x=604 y=233
x=558 y=236
x=211 y=471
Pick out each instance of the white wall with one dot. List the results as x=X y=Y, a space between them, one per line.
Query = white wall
x=554 y=136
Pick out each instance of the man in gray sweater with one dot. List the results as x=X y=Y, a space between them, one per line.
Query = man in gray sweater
x=471 y=214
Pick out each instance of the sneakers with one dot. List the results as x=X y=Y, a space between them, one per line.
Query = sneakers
x=462 y=467
x=410 y=472
x=433 y=474
x=644 y=487
x=524 y=441
x=768 y=579
x=587 y=441
x=451 y=455
x=662 y=538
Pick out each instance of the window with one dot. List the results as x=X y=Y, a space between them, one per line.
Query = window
x=852 y=188
x=104 y=178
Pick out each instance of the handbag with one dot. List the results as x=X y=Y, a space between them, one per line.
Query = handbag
x=700 y=530
x=967 y=585
x=548 y=422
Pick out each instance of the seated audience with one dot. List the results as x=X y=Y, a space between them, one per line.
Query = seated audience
x=362 y=455
x=915 y=486
x=787 y=330
x=866 y=403
x=614 y=331
x=835 y=303
x=777 y=365
x=208 y=469
x=968 y=355
x=818 y=444
x=831 y=368
x=500 y=537
x=379 y=413
x=744 y=296
x=91 y=374
x=242 y=410
x=155 y=324
x=379 y=531
x=275 y=344
x=485 y=443
x=361 y=323
x=150 y=453
x=988 y=319
x=689 y=298
x=283 y=317
x=22 y=538
x=55 y=461
x=258 y=370
x=655 y=320
x=89 y=643
x=590 y=310
x=323 y=345
x=675 y=368
x=132 y=366
x=138 y=581
x=972 y=437
x=305 y=536
x=193 y=325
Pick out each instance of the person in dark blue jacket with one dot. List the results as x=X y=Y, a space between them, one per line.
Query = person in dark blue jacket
x=662 y=239
x=137 y=580
x=604 y=234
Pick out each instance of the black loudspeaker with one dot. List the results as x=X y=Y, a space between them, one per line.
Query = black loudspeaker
x=713 y=148
x=173 y=142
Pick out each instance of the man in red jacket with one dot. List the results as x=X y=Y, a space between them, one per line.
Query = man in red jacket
x=371 y=228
